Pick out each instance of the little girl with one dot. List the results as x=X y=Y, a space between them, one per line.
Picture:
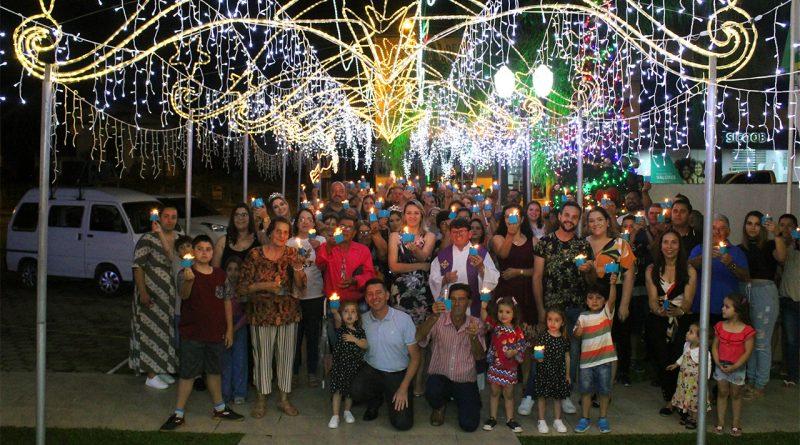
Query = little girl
x=234 y=359
x=733 y=344
x=505 y=352
x=686 y=394
x=348 y=356
x=552 y=379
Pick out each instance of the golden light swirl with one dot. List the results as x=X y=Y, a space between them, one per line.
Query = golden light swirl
x=32 y=39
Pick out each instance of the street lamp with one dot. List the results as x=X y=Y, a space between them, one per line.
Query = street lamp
x=542 y=81
x=504 y=81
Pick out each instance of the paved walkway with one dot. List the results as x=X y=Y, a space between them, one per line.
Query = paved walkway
x=86 y=400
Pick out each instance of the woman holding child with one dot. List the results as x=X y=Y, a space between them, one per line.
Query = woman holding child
x=266 y=283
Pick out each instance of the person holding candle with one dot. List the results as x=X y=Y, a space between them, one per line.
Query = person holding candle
x=477 y=232
x=671 y=282
x=152 y=341
x=207 y=331
x=763 y=256
x=346 y=265
x=183 y=259
x=268 y=278
x=729 y=267
x=552 y=379
x=534 y=219
x=457 y=340
x=371 y=235
x=409 y=262
x=311 y=297
x=559 y=280
x=395 y=220
x=613 y=255
x=367 y=204
x=239 y=238
x=348 y=358
x=790 y=298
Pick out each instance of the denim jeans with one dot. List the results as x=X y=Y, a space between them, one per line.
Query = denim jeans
x=790 y=316
x=764 y=313
x=234 y=366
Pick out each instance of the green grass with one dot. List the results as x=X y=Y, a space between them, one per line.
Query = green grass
x=79 y=436
x=778 y=438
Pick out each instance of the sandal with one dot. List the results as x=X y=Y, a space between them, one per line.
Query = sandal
x=789 y=384
x=718 y=430
x=736 y=432
x=260 y=408
x=287 y=408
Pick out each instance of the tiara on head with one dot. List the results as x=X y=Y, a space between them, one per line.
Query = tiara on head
x=274 y=196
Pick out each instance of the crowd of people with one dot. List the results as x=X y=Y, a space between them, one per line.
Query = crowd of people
x=415 y=292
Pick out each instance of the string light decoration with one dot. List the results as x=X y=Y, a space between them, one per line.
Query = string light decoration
x=238 y=68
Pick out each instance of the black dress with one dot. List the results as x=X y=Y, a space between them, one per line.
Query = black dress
x=347 y=360
x=551 y=374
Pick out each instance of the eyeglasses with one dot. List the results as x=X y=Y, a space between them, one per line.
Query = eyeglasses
x=305 y=219
x=346 y=228
x=459 y=231
x=241 y=214
x=364 y=232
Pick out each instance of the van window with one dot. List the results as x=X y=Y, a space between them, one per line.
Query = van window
x=107 y=218
x=26 y=217
x=139 y=214
x=65 y=216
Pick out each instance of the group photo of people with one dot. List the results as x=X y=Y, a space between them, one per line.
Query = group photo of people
x=487 y=311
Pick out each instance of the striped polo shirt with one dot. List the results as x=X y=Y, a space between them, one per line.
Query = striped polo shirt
x=597 y=347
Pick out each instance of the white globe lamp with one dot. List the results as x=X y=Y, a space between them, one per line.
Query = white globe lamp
x=542 y=81
x=504 y=81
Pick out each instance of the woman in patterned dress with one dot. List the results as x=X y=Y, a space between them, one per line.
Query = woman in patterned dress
x=411 y=263
x=152 y=343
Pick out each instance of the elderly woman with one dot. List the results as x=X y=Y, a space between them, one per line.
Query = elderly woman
x=266 y=284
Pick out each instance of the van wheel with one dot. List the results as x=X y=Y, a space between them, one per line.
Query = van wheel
x=108 y=280
x=27 y=273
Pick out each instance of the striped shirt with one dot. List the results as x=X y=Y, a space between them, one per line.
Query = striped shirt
x=451 y=354
x=597 y=347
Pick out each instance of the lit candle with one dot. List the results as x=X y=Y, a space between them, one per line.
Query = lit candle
x=479 y=197
x=154 y=215
x=187 y=260
x=452 y=214
x=379 y=203
x=300 y=248
x=513 y=218
x=639 y=217
x=305 y=204
x=312 y=232
x=380 y=186
x=383 y=214
x=318 y=213
x=372 y=216
x=448 y=303
x=495 y=186
x=580 y=260
x=407 y=237
x=317 y=184
x=626 y=235
x=765 y=219
x=662 y=217
x=796 y=233
x=546 y=207
x=486 y=294
x=612 y=267
x=667 y=204
x=337 y=235
x=723 y=249
x=345 y=204
x=487 y=205
x=604 y=201
x=334 y=300
x=474 y=186
x=257 y=203
x=473 y=250
x=538 y=352
x=476 y=208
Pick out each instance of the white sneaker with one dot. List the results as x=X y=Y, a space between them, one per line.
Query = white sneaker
x=525 y=406
x=542 y=426
x=558 y=424
x=567 y=406
x=348 y=417
x=156 y=383
x=166 y=378
x=334 y=422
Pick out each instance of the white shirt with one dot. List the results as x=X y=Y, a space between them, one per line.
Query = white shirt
x=488 y=280
x=314 y=283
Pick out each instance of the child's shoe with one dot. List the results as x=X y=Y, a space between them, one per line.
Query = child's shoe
x=348 y=417
x=602 y=423
x=490 y=424
x=542 y=426
x=583 y=425
x=558 y=424
x=227 y=414
x=156 y=383
x=334 y=422
x=173 y=422
x=525 y=406
x=515 y=426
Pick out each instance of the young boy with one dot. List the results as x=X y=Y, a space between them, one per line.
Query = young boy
x=206 y=330
x=597 y=353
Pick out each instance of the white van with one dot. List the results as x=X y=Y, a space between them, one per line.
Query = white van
x=92 y=234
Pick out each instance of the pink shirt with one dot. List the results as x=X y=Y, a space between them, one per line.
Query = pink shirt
x=731 y=345
x=451 y=356
x=357 y=258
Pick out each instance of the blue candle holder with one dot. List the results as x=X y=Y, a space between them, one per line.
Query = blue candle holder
x=666 y=304
x=410 y=188
x=338 y=238
x=612 y=268
x=723 y=249
x=448 y=304
x=301 y=251
x=154 y=217
x=666 y=205
x=545 y=209
x=639 y=219
x=662 y=218
x=580 y=262
x=486 y=297
x=428 y=194
x=476 y=209
x=186 y=262
x=452 y=215
x=319 y=216
x=373 y=218
x=363 y=185
x=626 y=237
x=538 y=354
x=604 y=201
x=258 y=203
x=345 y=204
x=383 y=214
x=317 y=185
x=487 y=207
x=401 y=181
x=335 y=304
x=796 y=234
x=564 y=198
x=351 y=185
x=513 y=219
x=378 y=205
x=407 y=238
x=305 y=204
x=473 y=251
x=765 y=219
x=479 y=197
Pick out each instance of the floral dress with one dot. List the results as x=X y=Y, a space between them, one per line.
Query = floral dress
x=503 y=370
x=266 y=308
x=686 y=395
x=347 y=360
x=551 y=373
x=410 y=291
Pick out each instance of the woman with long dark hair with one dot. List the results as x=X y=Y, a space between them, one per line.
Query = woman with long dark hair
x=534 y=218
x=671 y=282
x=240 y=236
x=763 y=257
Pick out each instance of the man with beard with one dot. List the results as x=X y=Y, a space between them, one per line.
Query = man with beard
x=557 y=280
x=338 y=194
x=152 y=341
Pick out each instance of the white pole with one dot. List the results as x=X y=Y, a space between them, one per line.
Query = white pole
x=579 y=185
x=299 y=178
x=705 y=281
x=794 y=30
x=189 y=150
x=41 y=272
x=245 y=167
x=528 y=177
x=283 y=174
